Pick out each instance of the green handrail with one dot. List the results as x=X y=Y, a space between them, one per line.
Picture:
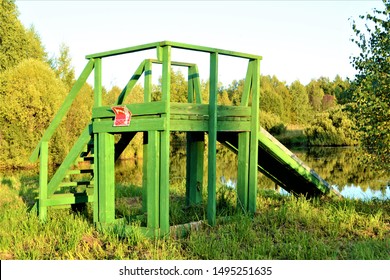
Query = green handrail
x=63 y=109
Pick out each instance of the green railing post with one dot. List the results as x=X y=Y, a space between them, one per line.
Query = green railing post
x=165 y=142
x=106 y=177
x=195 y=148
x=43 y=177
x=254 y=138
x=148 y=84
x=153 y=181
x=64 y=108
x=212 y=136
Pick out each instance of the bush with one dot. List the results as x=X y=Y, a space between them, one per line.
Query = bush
x=331 y=128
x=272 y=123
x=31 y=95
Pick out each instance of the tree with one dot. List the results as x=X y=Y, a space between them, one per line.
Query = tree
x=300 y=107
x=16 y=42
x=371 y=86
x=30 y=95
x=63 y=68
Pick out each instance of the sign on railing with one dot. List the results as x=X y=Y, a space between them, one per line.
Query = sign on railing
x=122 y=116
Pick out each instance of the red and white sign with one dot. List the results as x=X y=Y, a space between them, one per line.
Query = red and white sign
x=122 y=116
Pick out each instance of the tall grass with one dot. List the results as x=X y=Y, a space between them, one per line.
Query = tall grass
x=283 y=227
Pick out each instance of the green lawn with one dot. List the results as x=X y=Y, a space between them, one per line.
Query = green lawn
x=282 y=228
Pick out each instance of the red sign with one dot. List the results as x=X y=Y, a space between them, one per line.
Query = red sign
x=122 y=116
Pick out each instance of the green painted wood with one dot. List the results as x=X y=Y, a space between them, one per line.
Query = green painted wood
x=131 y=83
x=208 y=50
x=243 y=171
x=97 y=91
x=77 y=148
x=137 y=124
x=124 y=50
x=153 y=181
x=254 y=137
x=106 y=177
x=67 y=199
x=203 y=125
x=212 y=141
x=172 y=44
x=43 y=176
x=247 y=85
x=165 y=143
x=64 y=108
x=96 y=182
x=173 y=63
x=145 y=171
x=138 y=109
x=123 y=142
x=194 y=168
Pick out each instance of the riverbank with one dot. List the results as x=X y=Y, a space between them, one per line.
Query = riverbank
x=283 y=227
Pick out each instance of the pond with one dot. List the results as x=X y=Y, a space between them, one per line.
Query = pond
x=340 y=166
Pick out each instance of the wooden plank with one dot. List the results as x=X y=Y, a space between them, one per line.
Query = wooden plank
x=43 y=176
x=253 y=161
x=77 y=148
x=124 y=50
x=208 y=50
x=243 y=171
x=189 y=108
x=247 y=85
x=139 y=124
x=175 y=45
x=165 y=143
x=96 y=182
x=212 y=141
x=106 y=177
x=66 y=199
x=137 y=109
x=97 y=90
x=153 y=181
x=122 y=144
x=194 y=168
x=131 y=83
x=186 y=125
x=64 y=108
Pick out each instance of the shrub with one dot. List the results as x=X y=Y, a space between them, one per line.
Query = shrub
x=331 y=128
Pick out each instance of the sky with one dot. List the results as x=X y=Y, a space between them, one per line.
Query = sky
x=298 y=40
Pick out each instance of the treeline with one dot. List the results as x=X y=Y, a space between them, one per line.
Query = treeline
x=33 y=87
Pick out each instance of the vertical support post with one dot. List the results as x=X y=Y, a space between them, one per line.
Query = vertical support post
x=253 y=161
x=106 y=177
x=98 y=83
x=153 y=179
x=147 y=98
x=243 y=171
x=195 y=150
x=212 y=136
x=165 y=142
x=243 y=148
x=43 y=176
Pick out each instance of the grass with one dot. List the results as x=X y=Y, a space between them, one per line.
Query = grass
x=283 y=227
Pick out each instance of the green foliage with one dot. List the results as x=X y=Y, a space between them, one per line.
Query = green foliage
x=32 y=95
x=300 y=107
x=63 y=68
x=283 y=228
x=16 y=42
x=371 y=87
x=331 y=128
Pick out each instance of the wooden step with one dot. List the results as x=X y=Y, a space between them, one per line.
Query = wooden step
x=75 y=184
x=80 y=171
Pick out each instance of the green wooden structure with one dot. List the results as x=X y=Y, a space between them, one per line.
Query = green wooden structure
x=237 y=127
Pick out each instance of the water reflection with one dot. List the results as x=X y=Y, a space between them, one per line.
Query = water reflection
x=341 y=167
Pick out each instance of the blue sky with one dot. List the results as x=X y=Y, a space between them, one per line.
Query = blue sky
x=299 y=40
